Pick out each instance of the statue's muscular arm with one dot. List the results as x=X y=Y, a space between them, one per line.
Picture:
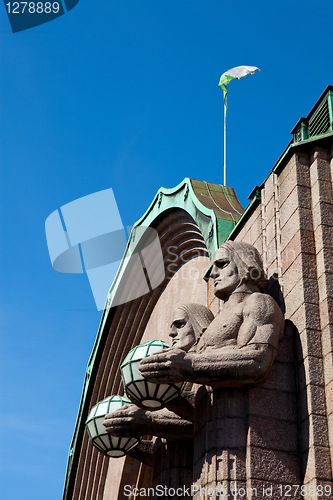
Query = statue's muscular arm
x=247 y=362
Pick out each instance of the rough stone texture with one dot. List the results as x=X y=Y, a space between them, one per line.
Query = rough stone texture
x=324 y=237
x=312 y=401
x=317 y=463
x=300 y=196
x=325 y=286
x=272 y=451
x=251 y=230
x=273 y=404
x=273 y=466
x=314 y=430
x=300 y=219
x=322 y=200
x=306 y=290
x=220 y=439
x=300 y=268
x=313 y=369
x=273 y=433
x=309 y=345
x=173 y=465
x=306 y=317
x=327 y=339
x=295 y=173
x=324 y=260
x=326 y=311
x=300 y=243
x=305 y=218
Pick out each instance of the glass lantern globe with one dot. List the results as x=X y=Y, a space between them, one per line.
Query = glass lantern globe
x=146 y=395
x=111 y=446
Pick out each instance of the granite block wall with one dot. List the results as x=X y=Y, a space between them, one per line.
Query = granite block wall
x=292 y=228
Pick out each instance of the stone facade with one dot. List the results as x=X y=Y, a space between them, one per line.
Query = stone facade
x=280 y=432
x=247 y=439
x=292 y=228
x=276 y=433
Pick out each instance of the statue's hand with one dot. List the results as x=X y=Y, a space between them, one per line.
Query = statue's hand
x=128 y=421
x=166 y=366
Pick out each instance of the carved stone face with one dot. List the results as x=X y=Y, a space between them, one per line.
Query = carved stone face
x=181 y=331
x=224 y=273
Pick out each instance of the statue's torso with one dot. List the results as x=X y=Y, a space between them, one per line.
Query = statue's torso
x=223 y=330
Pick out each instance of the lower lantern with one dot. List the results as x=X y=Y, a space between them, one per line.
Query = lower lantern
x=111 y=446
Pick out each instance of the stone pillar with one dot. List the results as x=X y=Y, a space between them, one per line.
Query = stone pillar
x=305 y=193
x=273 y=458
x=173 y=469
x=220 y=435
x=246 y=439
x=321 y=436
x=328 y=335
x=270 y=225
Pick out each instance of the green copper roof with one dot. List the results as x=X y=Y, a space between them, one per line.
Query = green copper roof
x=214 y=208
x=319 y=121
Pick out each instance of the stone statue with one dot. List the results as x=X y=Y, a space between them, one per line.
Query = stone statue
x=227 y=355
x=188 y=324
x=240 y=344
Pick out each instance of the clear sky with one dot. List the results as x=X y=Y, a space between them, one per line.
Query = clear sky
x=123 y=94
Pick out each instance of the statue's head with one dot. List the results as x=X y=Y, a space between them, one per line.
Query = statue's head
x=236 y=264
x=188 y=323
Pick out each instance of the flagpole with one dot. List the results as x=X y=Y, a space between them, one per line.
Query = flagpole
x=231 y=74
x=225 y=141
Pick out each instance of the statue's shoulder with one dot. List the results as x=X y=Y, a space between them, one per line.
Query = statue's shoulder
x=260 y=298
x=263 y=305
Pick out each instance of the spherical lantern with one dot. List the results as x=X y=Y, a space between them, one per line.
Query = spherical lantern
x=146 y=395
x=111 y=446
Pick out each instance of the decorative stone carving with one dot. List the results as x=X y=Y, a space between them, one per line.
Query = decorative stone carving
x=240 y=345
x=188 y=324
x=231 y=356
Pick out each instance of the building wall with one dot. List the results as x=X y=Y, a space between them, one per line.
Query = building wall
x=290 y=415
x=290 y=433
x=293 y=230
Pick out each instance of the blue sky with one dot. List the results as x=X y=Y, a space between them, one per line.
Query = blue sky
x=123 y=95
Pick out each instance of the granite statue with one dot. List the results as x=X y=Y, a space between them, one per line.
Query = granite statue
x=240 y=344
x=174 y=422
